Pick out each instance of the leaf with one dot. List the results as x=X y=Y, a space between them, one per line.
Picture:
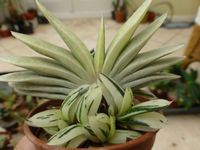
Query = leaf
x=100 y=49
x=152 y=105
x=39 y=88
x=126 y=102
x=50 y=130
x=144 y=59
x=123 y=36
x=135 y=45
x=47 y=118
x=156 y=66
x=143 y=82
x=112 y=127
x=61 y=55
x=115 y=90
x=70 y=104
x=90 y=104
x=122 y=136
x=77 y=47
x=109 y=99
x=43 y=95
x=148 y=122
x=144 y=93
x=77 y=141
x=33 y=78
x=100 y=129
x=42 y=66
x=65 y=135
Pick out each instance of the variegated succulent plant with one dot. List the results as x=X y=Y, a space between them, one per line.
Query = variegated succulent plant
x=98 y=91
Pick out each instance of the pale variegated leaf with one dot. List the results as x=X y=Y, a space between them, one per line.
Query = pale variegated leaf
x=100 y=49
x=47 y=118
x=135 y=45
x=156 y=66
x=144 y=59
x=77 y=141
x=100 y=129
x=77 y=47
x=61 y=55
x=70 y=105
x=144 y=107
x=122 y=136
x=39 y=88
x=150 y=121
x=42 y=94
x=51 y=130
x=123 y=36
x=42 y=66
x=33 y=78
x=65 y=135
x=115 y=90
x=143 y=82
x=126 y=102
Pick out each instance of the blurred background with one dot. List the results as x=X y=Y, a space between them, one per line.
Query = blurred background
x=83 y=17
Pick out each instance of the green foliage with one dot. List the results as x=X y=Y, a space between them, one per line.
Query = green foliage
x=186 y=88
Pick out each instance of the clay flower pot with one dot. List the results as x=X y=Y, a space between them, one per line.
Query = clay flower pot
x=120 y=16
x=5 y=31
x=145 y=142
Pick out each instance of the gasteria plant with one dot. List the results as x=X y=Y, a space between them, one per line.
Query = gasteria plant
x=99 y=104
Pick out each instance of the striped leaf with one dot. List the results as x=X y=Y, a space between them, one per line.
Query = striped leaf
x=47 y=118
x=39 y=88
x=123 y=36
x=76 y=142
x=77 y=47
x=109 y=100
x=144 y=93
x=61 y=55
x=42 y=66
x=144 y=107
x=122 y=136
x=114 y=89
x=36 y=79
x=144 y=59
x=136 y=44
x=71 y=102
x=100 y=49
x=100 y=129
x=112 y=127
x=143 y=82
x=126 y=102
x=156 y=66
x=51 y=130
x=150 y=121
x=66 y=135
x=90 y=104
x=42 y=94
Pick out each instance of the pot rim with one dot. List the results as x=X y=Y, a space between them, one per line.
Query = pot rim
x=28 y=133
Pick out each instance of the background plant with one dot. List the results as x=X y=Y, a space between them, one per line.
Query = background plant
x=186 y=88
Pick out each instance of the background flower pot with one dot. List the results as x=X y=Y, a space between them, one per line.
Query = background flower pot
x=5 y=33
x=120 y=16
x=145 y=142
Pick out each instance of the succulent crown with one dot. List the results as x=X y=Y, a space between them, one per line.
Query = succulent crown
x=63 y=70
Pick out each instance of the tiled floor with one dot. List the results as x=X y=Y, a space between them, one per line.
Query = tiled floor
x=182 y=132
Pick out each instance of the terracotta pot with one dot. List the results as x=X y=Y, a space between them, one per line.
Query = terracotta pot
x=5 y=33
x=120 y=16
x=145 y=142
